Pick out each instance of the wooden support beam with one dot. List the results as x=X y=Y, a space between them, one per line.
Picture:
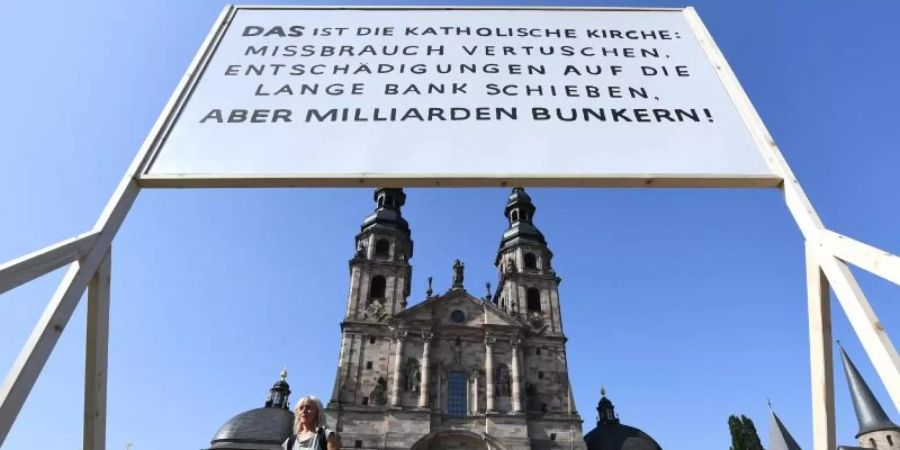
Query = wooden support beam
x=864 y=256
x=36 y=351
x=820 y=354
x=865 y=323
x=95 y=365
x=22 y=270
x=878 y=346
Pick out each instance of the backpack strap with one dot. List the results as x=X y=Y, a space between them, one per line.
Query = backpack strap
x=291 y=441
x=322 y=437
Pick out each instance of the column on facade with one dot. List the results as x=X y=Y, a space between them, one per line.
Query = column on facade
x=400 y=337
x=516 y=376
x=353 y=301
x=489 y=371
x=336 y=391
x=426 y=369
x=473 y=394
x=556 y=323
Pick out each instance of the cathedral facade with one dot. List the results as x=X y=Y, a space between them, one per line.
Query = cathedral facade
x=453 y=370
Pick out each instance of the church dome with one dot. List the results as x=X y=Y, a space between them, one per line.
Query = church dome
x=257 y=426
x=619 y=437
x=610 y=434
x=260 y=428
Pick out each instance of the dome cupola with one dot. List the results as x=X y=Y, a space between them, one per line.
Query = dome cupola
x=263 y=428
x=278 y=395
x=388 y=214
x=519 y=212
x=612 y=435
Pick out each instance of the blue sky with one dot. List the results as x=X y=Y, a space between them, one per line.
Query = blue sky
x=688 y=305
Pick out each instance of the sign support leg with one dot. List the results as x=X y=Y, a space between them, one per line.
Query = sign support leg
x=96 y=357
x=820 y=354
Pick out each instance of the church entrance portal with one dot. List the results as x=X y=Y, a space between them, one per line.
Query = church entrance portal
x=457 y=440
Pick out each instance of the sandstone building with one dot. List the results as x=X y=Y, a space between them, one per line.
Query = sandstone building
x=453 y=370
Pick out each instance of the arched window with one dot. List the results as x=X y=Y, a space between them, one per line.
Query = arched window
x=515 y=215
x=533 y=298
x=382 y=248
x=890 y=440
x=457 y=393
x=530 y=261
x=872 y=443
x=377 y=287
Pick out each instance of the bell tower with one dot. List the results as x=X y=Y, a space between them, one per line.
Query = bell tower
x=528 y=285
x=380 y=271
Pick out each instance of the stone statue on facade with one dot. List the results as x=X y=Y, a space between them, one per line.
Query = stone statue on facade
x=413 y=375
x=379 y=393
x=457 y=351
x=458 y=268
x=511 y=265
x=502 y=381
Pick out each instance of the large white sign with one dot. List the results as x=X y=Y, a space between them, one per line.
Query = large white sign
x=288 y=96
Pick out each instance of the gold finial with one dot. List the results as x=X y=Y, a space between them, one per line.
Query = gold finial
x=283 y=373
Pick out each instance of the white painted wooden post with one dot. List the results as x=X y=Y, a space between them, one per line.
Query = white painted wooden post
x=22 y=270
x=96 y=357
x=34 y=354
x=820 y=354
x=864 y=256
x=866 y=325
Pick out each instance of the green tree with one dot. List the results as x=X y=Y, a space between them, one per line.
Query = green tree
x=743 y=434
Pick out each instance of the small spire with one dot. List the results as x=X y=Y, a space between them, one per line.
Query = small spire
x=278 y=395
x=779 y=437
x=770 y=405
x=521 y=231
x=869 y=413
x=388 y=213
x=606 y=411
x=488 y=286
x=429 y=291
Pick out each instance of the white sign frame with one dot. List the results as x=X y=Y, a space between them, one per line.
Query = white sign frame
x=88 y=257
x=738 y=97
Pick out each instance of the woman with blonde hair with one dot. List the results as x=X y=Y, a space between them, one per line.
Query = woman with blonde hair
x=310 y=431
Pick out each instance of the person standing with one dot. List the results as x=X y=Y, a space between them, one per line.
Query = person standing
x=310 y=431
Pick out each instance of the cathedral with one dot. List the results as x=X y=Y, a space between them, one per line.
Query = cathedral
x=452 y=370
x=455 y=371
